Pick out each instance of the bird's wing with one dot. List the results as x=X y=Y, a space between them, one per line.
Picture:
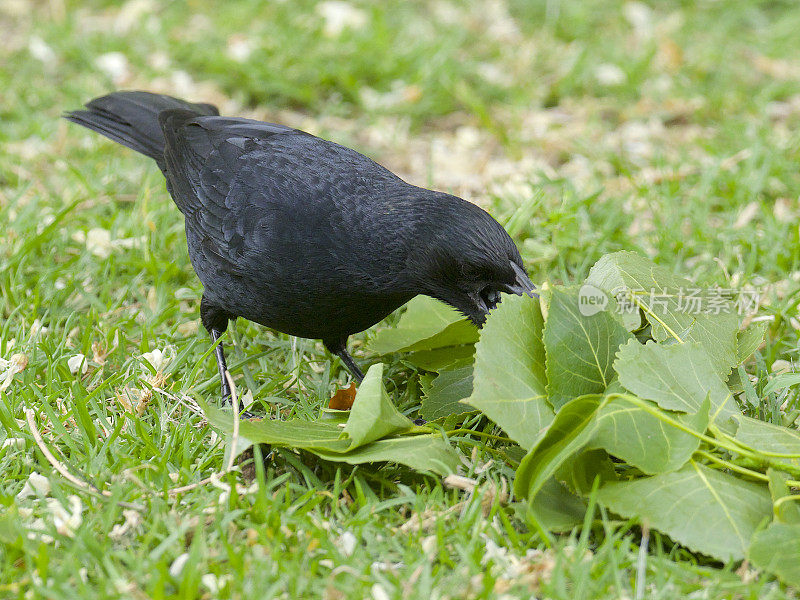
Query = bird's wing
x=248 y=187
x=212 y=176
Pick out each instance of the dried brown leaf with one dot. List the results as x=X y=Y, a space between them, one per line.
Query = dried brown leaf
x=343 y=398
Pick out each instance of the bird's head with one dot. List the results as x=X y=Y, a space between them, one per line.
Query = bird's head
x=466 y=259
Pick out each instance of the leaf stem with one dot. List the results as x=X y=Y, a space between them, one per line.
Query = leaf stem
x=659 y=414
x=732 y=466
x=488 y=436
x=723 y=441
x=493 y=451
x=650 y=312
x=779 y=501
x=722 y=434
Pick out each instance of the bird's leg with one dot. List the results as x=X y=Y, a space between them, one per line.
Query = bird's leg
x=215 y=321
x=339 y=348
x=351 y=365
x=222 y=365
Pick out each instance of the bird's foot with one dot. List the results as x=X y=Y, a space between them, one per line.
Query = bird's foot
x=227 y=401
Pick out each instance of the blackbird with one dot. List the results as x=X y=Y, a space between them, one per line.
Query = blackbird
x=303 y=235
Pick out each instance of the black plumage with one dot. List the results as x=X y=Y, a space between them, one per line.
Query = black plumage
x=303 y=235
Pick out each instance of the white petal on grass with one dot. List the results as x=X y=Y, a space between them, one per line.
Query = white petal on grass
x=640 y=16
x=15 y=443
x=77 y=363
x=132 y=13
x=239 y=48
x=132 y=520
x=746 y=215
x=429 y=546
x=10 y=367
x=214 y=583
x=378 y=593
x=66 y=520
x=177 y=565
x=128 y=243
x=338 y=16
x=115 y=65
x=98 y=242
x=609 y=74
x=37 y=328
x=159 y=358
x=347 y=543
x=494 y=553
x=40 y=50
x=35 y=532
x=36 y=485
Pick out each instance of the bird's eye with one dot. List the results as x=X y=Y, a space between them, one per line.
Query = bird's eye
x=490 y=297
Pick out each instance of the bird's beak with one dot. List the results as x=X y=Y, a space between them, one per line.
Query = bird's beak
x=523 y=284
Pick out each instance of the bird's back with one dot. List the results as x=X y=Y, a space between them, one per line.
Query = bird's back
x=286 y=229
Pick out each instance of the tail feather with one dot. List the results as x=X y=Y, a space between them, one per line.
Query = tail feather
x=131 y=119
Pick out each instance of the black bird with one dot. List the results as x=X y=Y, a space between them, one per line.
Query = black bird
x=303 y=235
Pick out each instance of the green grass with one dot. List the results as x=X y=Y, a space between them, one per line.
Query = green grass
x=710 y=81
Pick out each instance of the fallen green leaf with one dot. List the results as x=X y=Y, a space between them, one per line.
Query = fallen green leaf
x=442 y=396
x=785 y=507
x=374 y=431
x=509 y=379
x=571 y=431
x=704 y=509
x=784 y=380
x=748 y=340
x=426 y=324
x=773 y=441
x=556 y=508
x=580 y=470
x=373 y=415
x=666 y=301
x=425 y=453
x=580 y=349
x=777 y=549
x=677 y=377
x=642 y=434
x=448 y=358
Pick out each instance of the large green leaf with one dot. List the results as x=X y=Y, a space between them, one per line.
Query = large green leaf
x=663 y=297
x=448 y=358
x=373 y=415
x=676 y=377
x=556 y=508
x=630 y=429
x=442 y=396
x=706 y=510
x=777 y=550
x=509 y=379
x=427 y=452
x=294 y=433
x=580 y=349
x=782 y=381
x=425 y=325
x=572 y=429
x=748 y=340
x=766 y=437
x=780 y=443
x=786 y=509
x=375 y=431
x=580 y=470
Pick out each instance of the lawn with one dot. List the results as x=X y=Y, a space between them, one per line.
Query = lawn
x=669 y=128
